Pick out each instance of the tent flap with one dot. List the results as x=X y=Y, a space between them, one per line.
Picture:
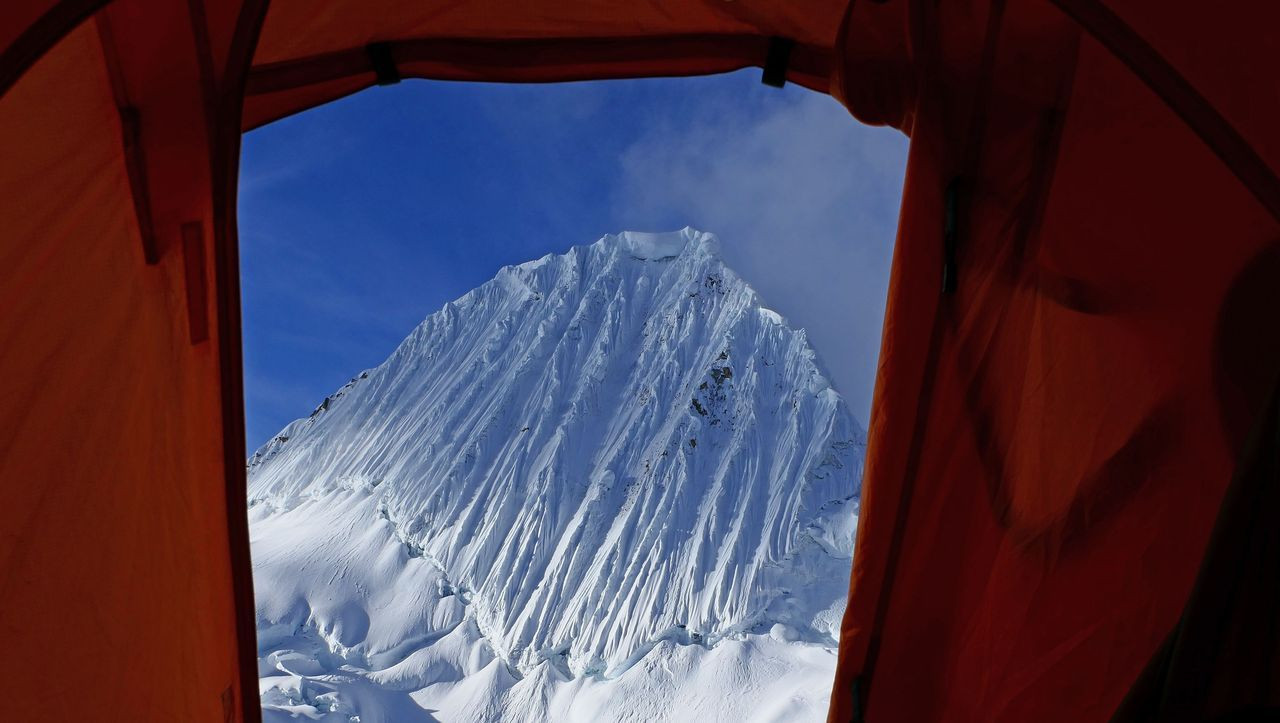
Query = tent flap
x=1049 y=444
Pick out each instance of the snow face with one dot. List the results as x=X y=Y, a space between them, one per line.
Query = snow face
x=604 y=485
x=663 y=246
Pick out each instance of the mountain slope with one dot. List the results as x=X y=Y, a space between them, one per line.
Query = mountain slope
x=589 y=473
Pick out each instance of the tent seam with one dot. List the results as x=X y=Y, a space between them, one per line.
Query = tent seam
x=1200 y=115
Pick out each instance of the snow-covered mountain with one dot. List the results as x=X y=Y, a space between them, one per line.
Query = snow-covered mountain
x=604 y=485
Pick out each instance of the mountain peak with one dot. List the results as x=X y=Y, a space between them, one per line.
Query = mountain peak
x=663 y=245
x=594 y=460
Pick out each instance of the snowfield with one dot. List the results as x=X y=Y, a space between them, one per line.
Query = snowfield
x=607 y=485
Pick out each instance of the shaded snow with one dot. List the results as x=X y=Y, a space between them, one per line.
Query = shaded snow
x=605 y=485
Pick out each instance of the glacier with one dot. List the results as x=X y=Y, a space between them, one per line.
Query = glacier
x=606 y=485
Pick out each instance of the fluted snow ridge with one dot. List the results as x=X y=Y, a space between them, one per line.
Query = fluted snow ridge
x=604 y=449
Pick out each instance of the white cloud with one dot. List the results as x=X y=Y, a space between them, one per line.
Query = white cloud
x=805 y=200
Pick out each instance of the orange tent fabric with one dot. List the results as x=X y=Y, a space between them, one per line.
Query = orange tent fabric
x=1078 y=340
x=124 y=577
x=1051 y=439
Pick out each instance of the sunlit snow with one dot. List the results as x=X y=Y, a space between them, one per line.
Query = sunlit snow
x=607 y=485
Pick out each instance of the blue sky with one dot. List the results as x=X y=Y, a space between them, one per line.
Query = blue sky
x=363 y=216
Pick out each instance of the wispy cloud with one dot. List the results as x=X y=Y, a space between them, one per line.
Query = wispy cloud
x=805 y=201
